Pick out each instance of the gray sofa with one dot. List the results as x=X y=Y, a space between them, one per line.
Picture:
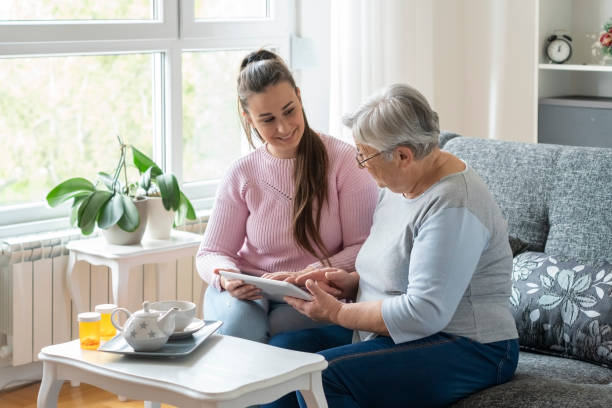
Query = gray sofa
x=558 y=201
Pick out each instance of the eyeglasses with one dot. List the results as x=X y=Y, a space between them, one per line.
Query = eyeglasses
x=361 y=160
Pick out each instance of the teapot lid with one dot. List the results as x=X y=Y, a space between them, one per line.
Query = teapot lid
x=145 y=312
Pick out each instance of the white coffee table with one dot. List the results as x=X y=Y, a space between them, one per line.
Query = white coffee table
x=224 y=371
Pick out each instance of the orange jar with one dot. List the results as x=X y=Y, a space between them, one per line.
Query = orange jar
x=107 y=330
x=89 y=330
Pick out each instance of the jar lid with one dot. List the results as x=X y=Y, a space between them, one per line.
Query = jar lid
x=89 y=317
x=105 y=308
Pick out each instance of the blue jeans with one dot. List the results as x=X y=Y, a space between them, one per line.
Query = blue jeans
x=431 y=372
x=255 y=320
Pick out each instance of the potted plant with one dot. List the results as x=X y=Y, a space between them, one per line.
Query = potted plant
x=166 y=202
x=117 y=208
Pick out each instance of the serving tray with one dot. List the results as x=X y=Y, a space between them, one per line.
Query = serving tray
x=173 y=348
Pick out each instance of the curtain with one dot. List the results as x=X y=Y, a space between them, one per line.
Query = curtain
x=375 y=43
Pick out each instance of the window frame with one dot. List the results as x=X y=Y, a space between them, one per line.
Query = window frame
x=174 y=32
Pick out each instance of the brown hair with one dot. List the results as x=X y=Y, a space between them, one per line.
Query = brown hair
x=259 y=70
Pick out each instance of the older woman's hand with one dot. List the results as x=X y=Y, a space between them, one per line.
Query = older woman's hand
x=323 y=306
x=334 y=281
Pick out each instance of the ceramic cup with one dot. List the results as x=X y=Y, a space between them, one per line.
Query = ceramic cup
x=184 y=315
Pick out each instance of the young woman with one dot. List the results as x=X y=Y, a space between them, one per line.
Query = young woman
x=297 y=202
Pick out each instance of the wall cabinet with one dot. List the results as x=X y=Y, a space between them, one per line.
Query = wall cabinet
x=585 y=74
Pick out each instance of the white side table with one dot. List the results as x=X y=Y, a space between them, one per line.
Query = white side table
x=121 y=258
x=223 y=372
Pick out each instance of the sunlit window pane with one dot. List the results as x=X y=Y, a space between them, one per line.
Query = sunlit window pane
x=11 y=10
x=228 y=10
x=212 y=136
x=59 y=117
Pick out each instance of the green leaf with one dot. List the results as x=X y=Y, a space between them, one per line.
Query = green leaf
x=169 y=189
x=145 y=179
x=185 y=209
x=68 y=189
x=130 y=221
x=111 y=212
x=89 y=209
x=76 y=204
x=143 y=163
x=107 y=179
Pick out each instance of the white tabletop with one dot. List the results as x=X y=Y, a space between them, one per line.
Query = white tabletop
x=99 y=246
x=221 y=365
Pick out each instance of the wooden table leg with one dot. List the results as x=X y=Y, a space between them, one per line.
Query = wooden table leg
x=49 y=387
x=315 y=397
x=120 y=275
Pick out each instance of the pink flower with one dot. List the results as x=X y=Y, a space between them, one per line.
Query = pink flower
x=606 y=39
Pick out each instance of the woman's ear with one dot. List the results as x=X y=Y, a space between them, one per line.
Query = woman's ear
x=247 y=117
x=405 y=155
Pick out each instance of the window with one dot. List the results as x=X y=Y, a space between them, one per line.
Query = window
x=36 y=10
x=74 y=74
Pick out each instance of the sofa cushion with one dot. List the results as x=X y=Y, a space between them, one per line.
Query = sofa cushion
x=548 y=381
x=517 y=245
x=580 y=205
x=563 y=369
x=563 y=308
x=525 y=391
x=519 y=176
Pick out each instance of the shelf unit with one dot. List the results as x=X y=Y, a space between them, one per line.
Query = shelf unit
x=576 y=68
x=584 y=74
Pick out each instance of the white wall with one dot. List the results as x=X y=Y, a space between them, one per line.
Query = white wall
x=485 y=63
x=475 y=60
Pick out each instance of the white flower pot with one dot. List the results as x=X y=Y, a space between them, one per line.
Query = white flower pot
x=116 y=236
x=159 y=220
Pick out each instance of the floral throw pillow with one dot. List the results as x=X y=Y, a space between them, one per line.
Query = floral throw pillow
x=563 y=308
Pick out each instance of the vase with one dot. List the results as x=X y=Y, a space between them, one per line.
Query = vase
x=116 y=236
x=159 y=220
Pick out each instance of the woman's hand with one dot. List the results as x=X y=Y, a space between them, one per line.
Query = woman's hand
x=334 y=281
x=238 y=288
x=323 y=306
x=281 y=276
x=288 y=276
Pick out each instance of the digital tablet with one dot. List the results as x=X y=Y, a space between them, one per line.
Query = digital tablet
x=272 y=289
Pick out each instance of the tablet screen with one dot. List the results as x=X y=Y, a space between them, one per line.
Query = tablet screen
x=272 y=289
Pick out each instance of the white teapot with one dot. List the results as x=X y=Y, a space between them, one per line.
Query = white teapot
x=146 y=330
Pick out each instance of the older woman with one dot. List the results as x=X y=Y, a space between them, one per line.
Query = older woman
x=427 y=320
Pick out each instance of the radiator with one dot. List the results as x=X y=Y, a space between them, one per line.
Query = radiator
x=35 y=305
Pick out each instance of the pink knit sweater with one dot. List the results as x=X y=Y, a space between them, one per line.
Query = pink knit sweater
x=250 y=225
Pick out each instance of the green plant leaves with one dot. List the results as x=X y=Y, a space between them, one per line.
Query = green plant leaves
x=143 y=163
x=171 y=194
x=68 y=189
x=107 y=179
x=145 y=179
x=111 y=212
x=130 y=220
x=76 y=204
x=88 y=211
x=169 y=189
x=185 y=210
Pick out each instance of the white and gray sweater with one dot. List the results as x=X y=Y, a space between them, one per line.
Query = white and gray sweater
x=441 y=262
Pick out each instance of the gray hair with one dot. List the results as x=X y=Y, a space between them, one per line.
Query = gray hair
x=399 y=115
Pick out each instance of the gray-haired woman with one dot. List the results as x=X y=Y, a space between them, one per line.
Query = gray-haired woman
x=430 y=322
